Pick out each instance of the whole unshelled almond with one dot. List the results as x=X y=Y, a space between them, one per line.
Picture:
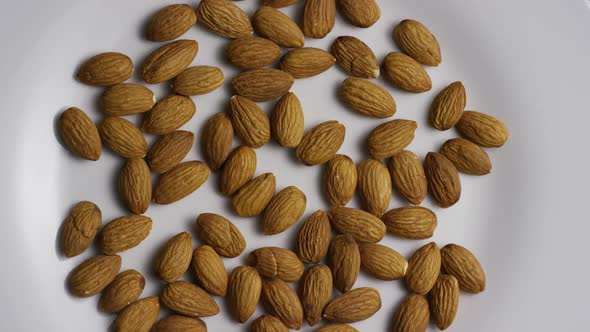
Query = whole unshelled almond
x=345 y=262
x=336 y=328
x=444 y=300
x=405 y=73
x=124 y=233
x=254 y=196
x=374 y=185
x=283 y=210
x=80 y=228
x=367 y=98
x=176 y=323
x=282 y=302
x=382 y=262
x=315 y=292
x=224 y=18
x=340 y=180
x=124 y=289
x=355 y=57
x=410 y=222
x=361 y=225
x=279 y=3
x=221 y=234
x=408 y=176
x=423 y=268
x=307 y=62
x=321 y=143
x=122 y=137
x=275 y=262
x=174 y=258
x=250 y=121
x=169 y=150
x=252 y=52
x=243 y=292
x=180 y=181
x=390 y=138
x=105 y=69
x=268 y=323
x=459 y=262
x=238 y=169
x=443 y=179
x=188 y=299
x=93 y=275
x=127 y=99
x=168 y=61
x=217 y=139
x=412 y=315
x=353 y=306
x=138 y=316
x=168 y=115
x=448 y=106
x=314 y=236
x=209 y=270
x=262 y=84
x=467 y=157
x=135 y=185
x=287 y=121
x=319 y=17
x=278 y=27
x=79 y=134
x=198 y=80
x=482 y=129
x=362 y=13
x=414 y=39
x=170 y=23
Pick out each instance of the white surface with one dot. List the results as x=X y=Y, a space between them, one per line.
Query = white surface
x=526 y=62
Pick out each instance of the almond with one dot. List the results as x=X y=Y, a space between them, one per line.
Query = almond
x=361 y=13
x=283 y=210
x=382 y=262
x=168 y=115
x=355 y=57
x=336 y=328
x=124 y=233
x=278 y=27
x=126 y=99
x=79 y=134
x=252 y=52
x=243 y=292
x=374 y=185
x=443 y=179
x=123 y=137
x=353 y=306
x=467 y=157
x=181 y=181
x=124 y=289
x=282 y=302
x=405 y=73
x=483 y=129
x=262 y=84
x=287 y=121
x=198 y=80
x=170 y=23
x=306 y=62
x=105 y=69
x=390 y=138
x=459 y=262
x=275 y=262
x=315 y=292
x=410 y=222
x=319 y=17
x=250 y=121
x=408 y=176
x=254 y=196
x=187 y=299
x=176 y=323
x=344 y=261
x=169 y=150
x=168 y=61
x=268 y=323
x=80 y=228
x=217 y=139
x=221 y=234
x=314 y=236
x=423 y=268
x=139 y=316
x=209 y=270
x=279 y=3
x=444 y=300
x=238 y=169
x=448 y=106
x=224 y=18
x=360 y=225
x=93 y=275
x=414 y=39
x=367 y=98
x=321 y=143
x=135 y=185
x=340 y=180
x=412 y=315
x=174 y=257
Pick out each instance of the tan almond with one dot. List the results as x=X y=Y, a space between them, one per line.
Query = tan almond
x=315 y=292
x=361 y=225
x=135 y=185
x=448 y=106
x=405 y=73
x=271 y=23
x=168 y=61
x=221 y=234
x=180 y=181
x=355 y=57
x=268 y=323
x=275 y=262
x=319 y=17
x=283 y=210
x=423 y=268
x=122 y=137
x=353 y=306
x=250 y=121
x=407 y=175
x=282 y=302
x=209 y=270
x=279 y=3
x=177 y=323
x=443 y=179
x=336 y=328
x=482 y=129
x=467 y=157
x=382 y=262
x=174 y=257
x=189 y=300
x=252 y=52
x=459 y=262
x=224 y=18
x=306 y=62
x=217 y=139
x=124 y=233
x=243 y=292
x=340 y=180
x=198 y=80
x=344 y=261
x=314 y=238
x=361 y=13
x=170 y=23
x=287 y=121
x=410 y=222
x=238 y=169
x=169 y=150
x=367 y=98
x=444 y=301
x=168 y=115
x=414 y=39
x=80 y=228
x=126 y=99
x=79 y=134
x=321 y=143
x=124 y=289
x=93 y=275
x=262 y=84
x=105 y=69
x=374 y=186
x=390 y=138
x=254 y=196
x=139 y=316
x=412 y=315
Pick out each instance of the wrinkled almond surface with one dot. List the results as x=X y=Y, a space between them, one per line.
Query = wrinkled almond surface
x=287 y=121
x=249 y=121
x=174 y=258
x=353 y=306
x=124 y=233
x=414 y=39
x=423 y=268
x=355 y=57
x=252 y=52
x=283 y=210
x=105 y=69
x=410 y=222
x=122 y=137
x=282 y=302
x=238 y=169
x=169 y=150
x=217 y=139
x=169 y=60
x=254 y=196
x=93 y=275
x=124 y=289
x=408 y=176
x=390 y=138
x=443 y=179
x=188 y=299
x=170 y=23
x=344 y=260
x=262 y=84
x=314 y=236
x=278 y=27
x=221 y=234
x=243 y=292
x=321 y=143
x=405 y=73
x=168 y=115
x=180 y=181
x=275 y=262
x=340 y=180
x=80 y=228
x=224 y=18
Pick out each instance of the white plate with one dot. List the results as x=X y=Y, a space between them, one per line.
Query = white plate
x=526 y=62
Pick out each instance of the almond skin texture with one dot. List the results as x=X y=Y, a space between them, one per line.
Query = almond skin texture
x=252 y=52
x=408 y=176
x=221 y=234
x=135 y=185
x=168 y=115
x=283 y=210
x=124 y=289
x=279 y=3
x=189 y=300
x=209 y=270
x=390 y=138
x=126 y=99
x=443 y=179
x=168 y=61
x=174 y=258
x=271 y=23
x=80 y=228
x=467 y=157
x=287 y=121
x=177 y=323
x=139 y=316
x=374 y=185
x=79 y=134
x=340 y=180
x=170 y=23
x=344 y=261
x=217 y=139
x=198 y=80
x=238 y=169
x=224 y=18
x=314 y=236
x=414 y=39
x=268 y=323
x=282 y=302
x=382 y=262
x=319 y=17
x=360 y=225
x=306 y=62
x=315 y=292
x=181 y=181
x=355 y=57
x=444 y=300
x=482 y=129
x=448 y=106
x=410 y=222
x=367 y=98
x=124 y=233
x=262 y=84
x=353 y=306
x=336 y=328
x=405 y=73
x=275 y=262
x=105 y=69
x=361 y=13
x=93 y=275
x=423 y=268
x=243 y=292
x=169 y=150
x=459 y=262
x=254 y=196
x=250 y=121
x=123 y=138
x=412 y=315
x=321 y=143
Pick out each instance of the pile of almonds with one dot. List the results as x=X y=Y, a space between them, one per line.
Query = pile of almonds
x=433 y=277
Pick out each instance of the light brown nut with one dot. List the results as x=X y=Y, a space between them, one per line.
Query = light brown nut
x=319 y=17
x=262 y=84
x=268 y=323
x=221 y=234
x=408 y=176
x=412 y=315
x=353 y=306
x=126 y=99
x=448 y=106
x=275 y=262
x=362 y=13
x=314 y=237
x=360 y=225
x=243 y=292
x=282 y=302
x=174 y=257
x=216 y=140
x=238 y=169
x=209 y=270
x=467 y=157
x=374 y=186
x=444 y=301
x=306 y=62
x=80 y=228
x=414 y=39
x=382 y=262
x=283 y=210
x=188 y=299
x=344 y=259
x=336 y=328
x=176 y=323
x=93 y=275
x=224 y=18
x=139 y=316
x=482 y=129
x=250 y=121
x=423 y=268
x=367 y=98
x=410 y=222
x=124 y=289
x=170 y=23
x=124 y=233
x=122 y=137
x=390 y=138
x=287 y=121
x=315 y=291
x=198 y=80
x=105 y=69
x=79 y=134
x=252 y=52
x=279 y=3
x=254 y=196
x=321 y=143
x=405 y=73
x=135 y=185
x=459 y=262
x=271 y=23
x=168 y=115
x=340 y=180
x=169 y=150
x=180 y=181
x=355 y=57
x=168 y=61
x=443 y=179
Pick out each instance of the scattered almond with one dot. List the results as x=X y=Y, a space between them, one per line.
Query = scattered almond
x=124 y=289
x=360 y=225
x=250 y=121
x=367 y=98
x=410 y=222
x=282 y=302
x=287 y=121
x=188 y=299
x=126 y=99
x=340 y=180
x=314 y=236
x=448 y=106
x=168 y=115
x=139 y=316
x=414 y=39
x=135 y=185
x=197 y=80
x=459 y=262
x=275 y=262
x=254 y=196
x=169 y=150
x=444 y=300
x=169 y=60
x=238 y=169
x=382 y=262
x=268 y=323
x=315 y=292
x=321 y=143
x=93 y=275
x=124 y=233
x=319 y=17
x=390 y=138
x=262 y=84
x=443 y=179
x=252 y=52
x=243 y=292
x=80 y=228
x=408 y=176
x=336 y=328
x=344 y=261
x=361 y=13
x=278 y=27
x=353 y=306
x=224 y=18
x=122 y=137
x=423 y=268
x=170 y=23
x=209 y=270
x=79 y=134
x=482 y=129
x=174 y=257
x=467 y=157
x=306 y=62
x=177 y=323
x=216 y=140
x=355 y=57
x=180 y=181
x=412 y=315
x=374 y=186
x=221 y=234
x=105 y=69
x=405 y=73
x=283 y=210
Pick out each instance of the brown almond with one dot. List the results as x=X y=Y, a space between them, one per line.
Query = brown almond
x=198 y=80
x=321 y=143
x=367 y=98
x=423 y=268
x=238 y=169
x=268 y=323
x=122 y=137
x=169 y=150
x=345 y=262
x=250 y=121
x=340 y=180
x=361 y=13
x=448 y=106
x=93 y=275
x=336 y=328
x=105 y=69
x=254 y=196
x=221 y=234
x=252 y=52
x=405 y=73
x=444 y=301
x=188 y=299
x=217 y=139
x=408 y=176
x=139 y=316
x=306 y=62
x=314 y=237
x=174 y=257
x=282 y=302
x=414 y=39
x=80 y=228
x=180 y=181
x=177 y=323
x=315 y=292
x=283 y=210
x=243 y=292
x=271 y=23
x=124 y=233
x=224 y=18
x=126 y=99
x=382 y=262
x=135 y=185
x=390 y=138
x=209 y=270
x=168 y=115
x=443 y=179
x=412 y=315
x=275 y=262
x=374 y=186
x=355 y=57
x=353 y=306
x=279 y=3
x=482 y=129
x=124 y=289
x=319 y=17
x=170 y=23
x=287 y=121
x=410 y=222
x=79 y=134
x=361 y=225
x=262 y=84
x=467 y=157
x=168 y=61
x=459 y=262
